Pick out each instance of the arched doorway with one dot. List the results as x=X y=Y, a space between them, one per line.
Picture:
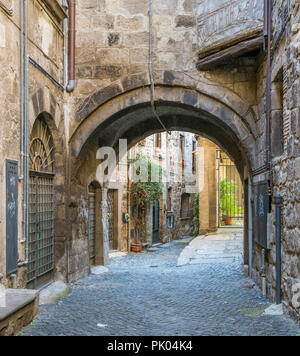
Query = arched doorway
x=41 y=206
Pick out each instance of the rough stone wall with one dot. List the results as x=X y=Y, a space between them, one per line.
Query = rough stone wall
x=287 y=167
x=285 y=124
x=113 y=36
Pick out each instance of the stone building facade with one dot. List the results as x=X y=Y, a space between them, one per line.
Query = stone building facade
x=207 y=63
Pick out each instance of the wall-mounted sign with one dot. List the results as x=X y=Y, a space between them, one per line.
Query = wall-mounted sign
x=261 y=210
x=11 y=216
x=170 y=222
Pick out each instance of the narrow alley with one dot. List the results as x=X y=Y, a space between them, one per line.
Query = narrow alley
x=149 y=294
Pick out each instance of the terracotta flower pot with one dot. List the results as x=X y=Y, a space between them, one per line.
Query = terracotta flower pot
x=136 y=247
x=227 y=221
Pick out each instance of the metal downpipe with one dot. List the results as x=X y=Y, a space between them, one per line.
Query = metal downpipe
x=65 y=7
x=268 y=36
x=26 y=127
x=21 y=177
x=278 y=202
x=72 y=37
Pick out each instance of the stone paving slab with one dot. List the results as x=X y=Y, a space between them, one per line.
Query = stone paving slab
x=226 y=244
x=135 y=299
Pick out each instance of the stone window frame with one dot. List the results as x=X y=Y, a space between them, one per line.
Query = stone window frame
x=280 y=123
x=185 y=211
x=169 y=199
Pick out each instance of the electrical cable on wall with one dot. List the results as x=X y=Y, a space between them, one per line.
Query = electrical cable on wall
x=152 y=89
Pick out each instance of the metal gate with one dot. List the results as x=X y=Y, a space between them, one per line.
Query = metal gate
x=92 y=223
x=110 y=218
x=230 y=192
x=41 y=230
x=155 y=222
x=41 y=206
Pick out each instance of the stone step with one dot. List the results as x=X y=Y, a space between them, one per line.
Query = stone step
x=18 y=307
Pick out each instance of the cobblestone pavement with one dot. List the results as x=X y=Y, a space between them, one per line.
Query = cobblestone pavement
x=146 y=294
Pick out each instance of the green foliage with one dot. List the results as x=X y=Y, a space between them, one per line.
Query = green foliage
x=228 y=198
x=147 y=192
x=63 y=294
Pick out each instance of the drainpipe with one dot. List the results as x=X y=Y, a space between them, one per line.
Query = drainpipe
x=268 y=34
x=65 y=7
x=263 y=272
x=278 y=202
x=21 y=177
x=26 y=170
x=24 y=125
x=71 y=64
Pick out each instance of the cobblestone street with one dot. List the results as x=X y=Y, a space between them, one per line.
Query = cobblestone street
x=146 y=294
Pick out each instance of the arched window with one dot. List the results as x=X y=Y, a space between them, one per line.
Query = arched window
x=185 y=211
x=41 y=148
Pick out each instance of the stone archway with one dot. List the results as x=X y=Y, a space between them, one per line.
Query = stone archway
x=123 y=111
x=128 y=115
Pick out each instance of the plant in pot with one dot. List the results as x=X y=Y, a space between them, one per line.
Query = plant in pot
x=141 y=192
x=229 y=200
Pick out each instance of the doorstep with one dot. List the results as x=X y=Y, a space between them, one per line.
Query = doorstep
x=18 y=307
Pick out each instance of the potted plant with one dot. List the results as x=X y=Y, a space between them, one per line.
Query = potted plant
x=229 y=200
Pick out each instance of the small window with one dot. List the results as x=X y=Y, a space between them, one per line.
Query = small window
x=280 y=123
x=169 y=200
